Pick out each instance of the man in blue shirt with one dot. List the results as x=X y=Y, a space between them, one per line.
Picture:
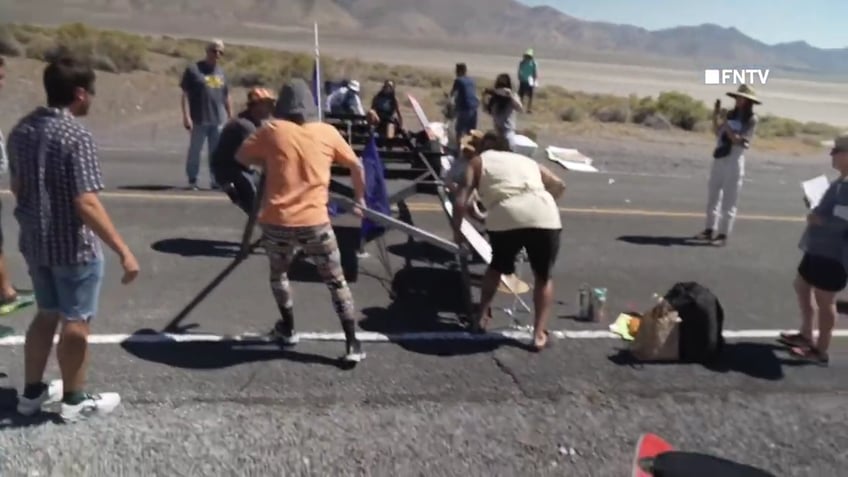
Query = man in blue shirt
x=206 y=107
x=464 y=95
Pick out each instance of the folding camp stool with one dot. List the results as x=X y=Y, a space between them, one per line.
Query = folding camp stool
x=514 y=309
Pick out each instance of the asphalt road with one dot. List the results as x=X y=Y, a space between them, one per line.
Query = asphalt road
x=447 y=407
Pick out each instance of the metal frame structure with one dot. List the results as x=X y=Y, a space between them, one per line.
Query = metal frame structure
x=423 y=177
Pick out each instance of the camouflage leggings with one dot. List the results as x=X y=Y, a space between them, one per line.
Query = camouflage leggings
x=319 y=243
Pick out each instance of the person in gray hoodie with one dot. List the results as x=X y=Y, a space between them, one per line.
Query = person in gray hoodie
x=296 y=153
x=822 y=271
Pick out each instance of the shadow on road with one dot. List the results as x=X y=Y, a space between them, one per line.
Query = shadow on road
x=757 y=360
x=663 y=241
x=426 y=300
x=188 y=247
x=150 y=187
x=9 y=417
x=218 y=355
x=347 y=238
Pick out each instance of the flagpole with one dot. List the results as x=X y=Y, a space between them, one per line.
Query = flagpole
x=318 y=76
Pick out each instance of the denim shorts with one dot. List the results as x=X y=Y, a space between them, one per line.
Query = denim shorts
x=71 y=290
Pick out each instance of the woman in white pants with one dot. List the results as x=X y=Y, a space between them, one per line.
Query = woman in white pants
x=728 y=170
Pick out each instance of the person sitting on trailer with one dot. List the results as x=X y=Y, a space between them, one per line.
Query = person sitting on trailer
x=387 y=108
x=346 y=100
x=238 y=181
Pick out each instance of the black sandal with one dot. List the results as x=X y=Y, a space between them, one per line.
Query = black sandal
x=793 y=340
x=811 y=354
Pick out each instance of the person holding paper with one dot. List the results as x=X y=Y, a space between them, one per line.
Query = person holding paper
x=821 y=273
x=734 y=135
x=519 y=195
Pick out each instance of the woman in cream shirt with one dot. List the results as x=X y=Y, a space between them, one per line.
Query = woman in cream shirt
x=519 y=196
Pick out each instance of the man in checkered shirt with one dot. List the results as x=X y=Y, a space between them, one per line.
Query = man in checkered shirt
x=55 y=176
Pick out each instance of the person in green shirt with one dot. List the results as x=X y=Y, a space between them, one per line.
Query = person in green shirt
x=528 y=77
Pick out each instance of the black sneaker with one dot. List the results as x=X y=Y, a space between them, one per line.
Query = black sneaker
x=720 y=240
x=353 y=352
x=707 y=235
x=283 y=331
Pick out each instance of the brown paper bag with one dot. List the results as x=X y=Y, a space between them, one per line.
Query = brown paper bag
x=659 y=335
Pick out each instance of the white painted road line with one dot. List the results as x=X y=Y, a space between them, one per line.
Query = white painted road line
x=372 y=337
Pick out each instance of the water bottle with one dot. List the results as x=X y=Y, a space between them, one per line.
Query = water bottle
x=599 y=300
x=584 y=303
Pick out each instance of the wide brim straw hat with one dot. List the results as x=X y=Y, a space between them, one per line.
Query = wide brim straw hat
x=745 y=91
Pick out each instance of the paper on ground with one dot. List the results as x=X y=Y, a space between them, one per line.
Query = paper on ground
x=571 y=159
x=525 y=146
x=814 y=190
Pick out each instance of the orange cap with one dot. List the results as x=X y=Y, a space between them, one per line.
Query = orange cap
x=259 y=94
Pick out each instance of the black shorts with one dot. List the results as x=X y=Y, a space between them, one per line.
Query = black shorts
x=524 y=89
x=823 y=273
x=542 y=247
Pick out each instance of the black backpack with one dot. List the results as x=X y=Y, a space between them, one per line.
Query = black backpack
x=702 y=322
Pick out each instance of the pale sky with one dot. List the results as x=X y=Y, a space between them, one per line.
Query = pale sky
x=821 y=23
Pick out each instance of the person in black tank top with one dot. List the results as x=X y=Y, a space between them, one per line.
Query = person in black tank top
x=238 y=182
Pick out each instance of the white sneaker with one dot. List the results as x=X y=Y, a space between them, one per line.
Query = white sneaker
x=52 y=394
x=94 y=405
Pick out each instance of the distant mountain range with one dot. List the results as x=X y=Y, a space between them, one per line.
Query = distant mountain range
x=496 y=22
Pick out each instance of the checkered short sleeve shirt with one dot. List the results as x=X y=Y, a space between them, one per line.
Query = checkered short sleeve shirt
x=53 y=160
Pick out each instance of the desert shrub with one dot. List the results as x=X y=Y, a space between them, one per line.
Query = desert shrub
x=681 y=109
x=642 y=108
x=39 y=47
x=572 y=114
x=127 y=52
x=612 y=114
x=819 y=129
x=115 y=52
x=186 y=49
x=773 y=126
x=9 y=44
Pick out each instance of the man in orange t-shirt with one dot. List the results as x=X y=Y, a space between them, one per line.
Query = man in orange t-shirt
x=296 y=153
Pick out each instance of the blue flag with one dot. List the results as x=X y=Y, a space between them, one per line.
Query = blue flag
x=376 y=195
